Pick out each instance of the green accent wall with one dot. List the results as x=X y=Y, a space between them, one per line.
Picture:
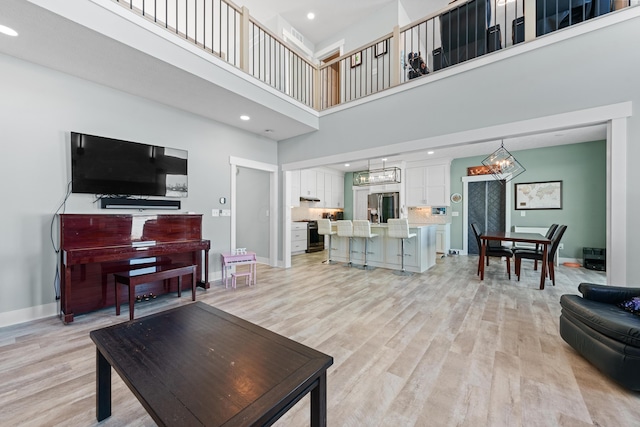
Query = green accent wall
x=582 y=170
x=348 y=195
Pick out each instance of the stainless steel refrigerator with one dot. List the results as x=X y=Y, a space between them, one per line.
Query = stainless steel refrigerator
x=383 y=206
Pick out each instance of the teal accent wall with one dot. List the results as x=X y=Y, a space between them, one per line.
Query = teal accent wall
x=582 y=170
x=348 y=195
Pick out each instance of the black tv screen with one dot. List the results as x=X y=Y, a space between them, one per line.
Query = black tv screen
x=107 y=166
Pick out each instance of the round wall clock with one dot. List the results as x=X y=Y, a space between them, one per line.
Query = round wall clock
x=456 y=197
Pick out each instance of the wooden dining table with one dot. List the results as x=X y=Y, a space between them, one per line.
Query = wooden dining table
x=516 y=237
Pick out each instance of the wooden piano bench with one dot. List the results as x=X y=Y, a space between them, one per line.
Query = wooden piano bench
x=141 y=276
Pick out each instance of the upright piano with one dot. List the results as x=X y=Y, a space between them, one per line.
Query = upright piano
x=94 y=246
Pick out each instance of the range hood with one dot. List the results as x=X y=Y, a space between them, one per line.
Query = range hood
x=309 y=199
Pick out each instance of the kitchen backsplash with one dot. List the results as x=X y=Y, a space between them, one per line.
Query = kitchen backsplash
x=424 y=216
x=301 y=213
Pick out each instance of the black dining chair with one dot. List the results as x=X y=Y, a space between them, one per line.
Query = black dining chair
x=495 y=251
x=537 y=255
x=549 y=235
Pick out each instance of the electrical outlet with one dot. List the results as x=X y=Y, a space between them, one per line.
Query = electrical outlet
x=561 y=246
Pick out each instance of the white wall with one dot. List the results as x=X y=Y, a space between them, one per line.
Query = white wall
x=38 y=109
x=368 y=29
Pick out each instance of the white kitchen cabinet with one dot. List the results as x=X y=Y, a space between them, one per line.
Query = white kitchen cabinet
x=443 y=233
x=428 y=185
x=298 y=237
x=337 y=191
x=326 y=186
x=320 y=188
x=333 y=191
x=308 y=186
x=327 y=199
x=295 y=188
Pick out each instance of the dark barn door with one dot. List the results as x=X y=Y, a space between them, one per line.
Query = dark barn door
x=487 y=208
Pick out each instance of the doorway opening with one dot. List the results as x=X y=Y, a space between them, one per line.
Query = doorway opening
x=269 y=211
x=332 y=81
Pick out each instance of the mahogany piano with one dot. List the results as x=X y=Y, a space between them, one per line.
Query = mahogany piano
x=94 y=246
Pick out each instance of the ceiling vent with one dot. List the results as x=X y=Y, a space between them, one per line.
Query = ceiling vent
x=297 y=35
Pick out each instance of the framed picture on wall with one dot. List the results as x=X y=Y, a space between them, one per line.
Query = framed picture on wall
x=381 y=48
x=356 y=59
x=538 y=195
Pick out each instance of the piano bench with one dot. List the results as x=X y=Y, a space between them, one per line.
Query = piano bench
x=246 y=275
x=133 y=278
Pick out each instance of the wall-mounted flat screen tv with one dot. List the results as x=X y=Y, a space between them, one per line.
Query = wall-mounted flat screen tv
x=112 y=167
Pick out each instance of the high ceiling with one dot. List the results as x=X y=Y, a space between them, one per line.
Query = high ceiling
x=60 y=44
x=331 y=16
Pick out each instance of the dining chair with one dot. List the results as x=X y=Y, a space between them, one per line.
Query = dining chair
x=495 y=251
x=551 y=254
x=549 y=235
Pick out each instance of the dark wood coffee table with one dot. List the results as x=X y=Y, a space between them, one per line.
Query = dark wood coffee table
x=196 y=365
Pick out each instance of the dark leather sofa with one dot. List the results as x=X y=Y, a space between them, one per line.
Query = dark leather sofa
x=604 y=334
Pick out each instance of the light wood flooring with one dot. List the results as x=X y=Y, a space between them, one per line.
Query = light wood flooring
x=435 y=349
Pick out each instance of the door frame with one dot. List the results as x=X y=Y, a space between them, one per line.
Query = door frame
x=465 y=205
x=236 y=162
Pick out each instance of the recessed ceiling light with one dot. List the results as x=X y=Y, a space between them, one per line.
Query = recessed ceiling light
x=384 y=160
x=311 y=16
x=245 y=118
x=8 y=31
x=430 y=152
x=347 y=165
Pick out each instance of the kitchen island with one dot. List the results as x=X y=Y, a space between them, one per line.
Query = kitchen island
x=384 y=251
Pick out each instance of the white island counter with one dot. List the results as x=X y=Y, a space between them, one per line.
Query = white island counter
x=384 y=251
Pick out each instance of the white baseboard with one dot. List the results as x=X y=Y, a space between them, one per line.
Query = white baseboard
x=28 y=314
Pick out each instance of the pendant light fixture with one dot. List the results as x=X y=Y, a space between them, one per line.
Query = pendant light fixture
x=377 y=176
x=503 y=166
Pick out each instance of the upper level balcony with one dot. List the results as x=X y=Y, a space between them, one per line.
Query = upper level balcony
x=461 y=32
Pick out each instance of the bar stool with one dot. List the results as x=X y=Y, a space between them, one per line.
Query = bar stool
x=399 y=229
x=324 y=229
x=362 y=228
x=345 y=229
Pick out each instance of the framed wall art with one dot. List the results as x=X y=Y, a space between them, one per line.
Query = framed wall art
x=356 y=59
x=381 y=48
x=538 y=195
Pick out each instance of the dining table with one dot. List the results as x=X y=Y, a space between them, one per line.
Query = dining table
x=516 y=237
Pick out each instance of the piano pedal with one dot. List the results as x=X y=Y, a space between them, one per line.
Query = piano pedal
x=138 y=298
x=152 y=295
x=146 y=297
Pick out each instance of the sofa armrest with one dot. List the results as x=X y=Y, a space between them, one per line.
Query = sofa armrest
x=607 y=294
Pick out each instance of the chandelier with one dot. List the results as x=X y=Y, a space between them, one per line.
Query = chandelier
x=503 y=166
x=377 y=176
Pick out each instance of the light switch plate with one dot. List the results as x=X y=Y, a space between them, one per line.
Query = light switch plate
x=523 y=213
x=215 y=212
x=454 y=213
